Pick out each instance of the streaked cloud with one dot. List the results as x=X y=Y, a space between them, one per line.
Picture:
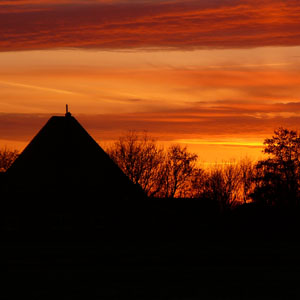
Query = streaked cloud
x=35 y=87
x=232 y=143
x=251 y=81
x=212 y=123
x=213 y=136
x=27 y=25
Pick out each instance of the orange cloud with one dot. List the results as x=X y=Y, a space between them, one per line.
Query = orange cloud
x=200 y=121
x=234 y=129
x=148 y=24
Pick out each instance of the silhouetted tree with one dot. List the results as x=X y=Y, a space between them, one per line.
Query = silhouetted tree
x=7 y=157
x=228 y=184
x=277 y=177
x=197 y=183
x=141 y=159
x=223 y=185
x=161 y=173
x=179 y=167
x=248 y=174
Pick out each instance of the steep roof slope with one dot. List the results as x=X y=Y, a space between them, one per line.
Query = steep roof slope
x=64 y=157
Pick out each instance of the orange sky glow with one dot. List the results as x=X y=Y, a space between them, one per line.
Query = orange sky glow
x=217 y=76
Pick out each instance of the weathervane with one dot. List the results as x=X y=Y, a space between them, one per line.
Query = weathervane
x=68 y=114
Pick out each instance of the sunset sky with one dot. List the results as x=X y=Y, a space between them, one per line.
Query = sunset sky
x=218 y=76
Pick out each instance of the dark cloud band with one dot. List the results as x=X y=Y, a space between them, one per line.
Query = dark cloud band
x=223 y=118
x=149 y=24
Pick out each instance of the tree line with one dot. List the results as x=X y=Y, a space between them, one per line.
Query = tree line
x=174 y=172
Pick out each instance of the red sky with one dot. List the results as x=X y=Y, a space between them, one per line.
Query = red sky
x=219 y=76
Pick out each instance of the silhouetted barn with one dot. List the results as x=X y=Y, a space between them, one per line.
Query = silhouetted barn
x=64 y=159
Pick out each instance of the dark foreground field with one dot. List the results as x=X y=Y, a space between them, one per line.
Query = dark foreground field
x=160 y=250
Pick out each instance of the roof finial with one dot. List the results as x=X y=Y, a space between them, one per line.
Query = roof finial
x=68 y=114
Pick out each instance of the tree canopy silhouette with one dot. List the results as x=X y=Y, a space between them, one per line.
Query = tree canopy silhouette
x=179 y=167
x=277 y=179
x=227 y=184
x=160 y=172
x=141 y=159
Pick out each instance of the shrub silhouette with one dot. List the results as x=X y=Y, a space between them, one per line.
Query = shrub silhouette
x=7 y=157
